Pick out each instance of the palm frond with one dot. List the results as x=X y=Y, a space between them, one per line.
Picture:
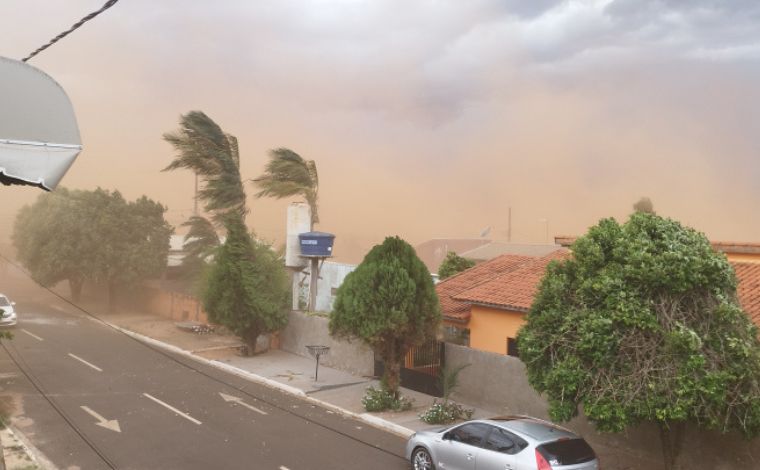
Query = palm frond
x=288 y=174
x=204 y=148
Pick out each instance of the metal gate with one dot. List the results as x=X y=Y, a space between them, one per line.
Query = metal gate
x=422 y=368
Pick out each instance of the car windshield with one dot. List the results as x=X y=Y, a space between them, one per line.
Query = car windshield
x=567 y=452
x=4 y=301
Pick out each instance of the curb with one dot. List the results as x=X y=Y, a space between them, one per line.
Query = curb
x=37 y=458
x=380 y=423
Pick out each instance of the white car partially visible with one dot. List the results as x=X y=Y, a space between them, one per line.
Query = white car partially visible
x=8 y=317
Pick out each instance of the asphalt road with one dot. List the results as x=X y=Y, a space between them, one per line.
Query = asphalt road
x=114 y=402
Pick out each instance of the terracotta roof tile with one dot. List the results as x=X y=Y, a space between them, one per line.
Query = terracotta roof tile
x=456 y=310
x=513 y=290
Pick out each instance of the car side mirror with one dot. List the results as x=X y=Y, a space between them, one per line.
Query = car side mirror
x=13 y=303
x=446 y=436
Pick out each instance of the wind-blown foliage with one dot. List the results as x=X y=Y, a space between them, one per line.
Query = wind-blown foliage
x=200 y=242
x=203 y=147
x=247 y=288
x=453 y=264
x=642 y=324
x=92 y=235
x=288 y=174
x=389 y=303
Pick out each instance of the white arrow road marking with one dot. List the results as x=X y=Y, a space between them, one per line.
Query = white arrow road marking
x=283 y=467
x=112 y=424
x=186 y=416
x=239 y=401
x=32 y=335
x=86 y=363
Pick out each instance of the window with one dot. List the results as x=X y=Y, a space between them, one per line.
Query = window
x=567 y=452
x=504 y=441
x=499 y=441
x=512 y=347
x=471 y=434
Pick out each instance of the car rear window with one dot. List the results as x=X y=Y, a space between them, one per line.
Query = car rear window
x=567 y=452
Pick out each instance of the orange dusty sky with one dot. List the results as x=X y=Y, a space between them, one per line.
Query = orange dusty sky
x=428 y=118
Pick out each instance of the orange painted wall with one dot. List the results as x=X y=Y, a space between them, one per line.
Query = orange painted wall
x=490 y=328
x=744 y=257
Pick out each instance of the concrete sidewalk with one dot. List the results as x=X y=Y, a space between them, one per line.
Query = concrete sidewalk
x=290 y=372
x=337 y=390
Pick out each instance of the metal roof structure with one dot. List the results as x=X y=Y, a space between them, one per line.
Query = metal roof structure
x=39 y=137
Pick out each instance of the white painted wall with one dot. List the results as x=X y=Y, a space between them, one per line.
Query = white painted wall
x=331 y=276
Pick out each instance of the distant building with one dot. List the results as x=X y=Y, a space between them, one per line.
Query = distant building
x=433 y=252
x=484 y=306
x=497 y=248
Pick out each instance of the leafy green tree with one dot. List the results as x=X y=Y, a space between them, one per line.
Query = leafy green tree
x=92 y=235
x=389 y=303
x=288 y=174
x=247 y=288
x=453 y=264
x=49 y=240
x=643 y=325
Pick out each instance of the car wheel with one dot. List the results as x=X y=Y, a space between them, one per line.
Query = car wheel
x=421 y=459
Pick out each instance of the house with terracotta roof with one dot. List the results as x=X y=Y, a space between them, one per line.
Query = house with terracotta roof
x=484 y=306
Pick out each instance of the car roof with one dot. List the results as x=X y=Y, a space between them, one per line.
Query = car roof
x=534 y=428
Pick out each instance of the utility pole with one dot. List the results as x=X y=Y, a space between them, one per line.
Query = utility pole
x=509 y=225
x=195 y=197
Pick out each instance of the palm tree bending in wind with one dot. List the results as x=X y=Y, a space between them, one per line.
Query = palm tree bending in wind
x=288 y=174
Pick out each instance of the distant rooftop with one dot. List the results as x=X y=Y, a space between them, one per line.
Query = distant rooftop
x=433 y=251
x=498 y=248
x=724 y=247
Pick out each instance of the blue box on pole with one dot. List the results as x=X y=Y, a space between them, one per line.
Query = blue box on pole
x=316 y=244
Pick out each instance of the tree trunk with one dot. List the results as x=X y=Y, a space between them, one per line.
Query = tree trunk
x=75 y=287
x=671 y=438
x=111 y=295
x=392 y=358
x=250 y=337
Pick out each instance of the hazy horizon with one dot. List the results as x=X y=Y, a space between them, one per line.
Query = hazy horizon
x=426 y=119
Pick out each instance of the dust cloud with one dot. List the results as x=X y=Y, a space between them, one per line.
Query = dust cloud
x=426 y=120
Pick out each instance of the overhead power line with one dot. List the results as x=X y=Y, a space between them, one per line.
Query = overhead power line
x=76 y=25
x=271 y=402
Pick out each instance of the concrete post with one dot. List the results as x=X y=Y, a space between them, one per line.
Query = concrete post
x=314 y=279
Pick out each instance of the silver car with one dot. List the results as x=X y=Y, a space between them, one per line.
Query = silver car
x=503 y=443
x=8 y=316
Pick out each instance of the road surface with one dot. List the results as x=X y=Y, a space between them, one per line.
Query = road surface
x=111 y=401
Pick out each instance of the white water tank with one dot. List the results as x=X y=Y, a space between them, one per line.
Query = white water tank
x=299 y=221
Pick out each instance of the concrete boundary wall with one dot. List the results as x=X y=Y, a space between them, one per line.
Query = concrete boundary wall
x=499 y=383
x=304 y=329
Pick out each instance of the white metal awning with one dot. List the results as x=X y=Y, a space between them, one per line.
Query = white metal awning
x=39 y=137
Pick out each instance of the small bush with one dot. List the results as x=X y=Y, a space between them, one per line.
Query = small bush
x=445 y=412
x=382 y=400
